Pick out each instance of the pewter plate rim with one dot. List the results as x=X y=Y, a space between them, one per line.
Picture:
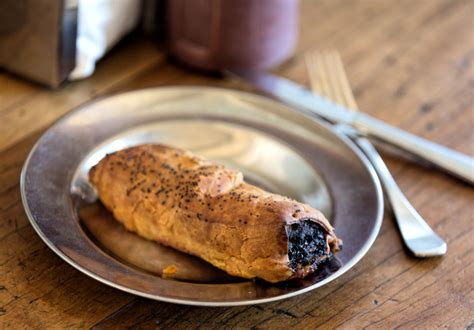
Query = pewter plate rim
x=356 y=258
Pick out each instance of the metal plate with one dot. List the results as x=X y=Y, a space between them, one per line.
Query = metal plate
x=274 y=146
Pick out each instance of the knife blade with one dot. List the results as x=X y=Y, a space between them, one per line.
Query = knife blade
x=298 y=96
x=304 y=100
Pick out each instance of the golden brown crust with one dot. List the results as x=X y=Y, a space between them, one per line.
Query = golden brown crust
x=180 y=200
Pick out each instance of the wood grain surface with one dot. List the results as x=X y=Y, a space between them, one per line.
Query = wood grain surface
x=410 y=64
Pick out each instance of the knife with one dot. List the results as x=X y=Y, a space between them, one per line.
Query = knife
x=304 y=100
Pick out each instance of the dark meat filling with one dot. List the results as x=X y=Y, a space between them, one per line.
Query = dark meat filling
x=306 y=244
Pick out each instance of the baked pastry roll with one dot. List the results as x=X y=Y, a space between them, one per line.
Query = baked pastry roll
x=207 y=210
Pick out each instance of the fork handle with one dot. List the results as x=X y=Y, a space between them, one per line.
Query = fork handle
x=416 y=233
x=449 y=160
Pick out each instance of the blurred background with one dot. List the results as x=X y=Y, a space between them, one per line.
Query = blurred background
x=57 y=40
x=400 y=57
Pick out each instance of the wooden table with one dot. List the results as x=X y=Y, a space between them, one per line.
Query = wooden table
x=411 y=65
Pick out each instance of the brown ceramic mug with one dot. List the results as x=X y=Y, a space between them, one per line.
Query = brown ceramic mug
x=218 y=34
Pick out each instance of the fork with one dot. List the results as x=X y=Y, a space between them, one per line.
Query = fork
x=328 y=77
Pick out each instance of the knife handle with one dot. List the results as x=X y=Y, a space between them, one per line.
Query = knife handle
x=444 y=158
